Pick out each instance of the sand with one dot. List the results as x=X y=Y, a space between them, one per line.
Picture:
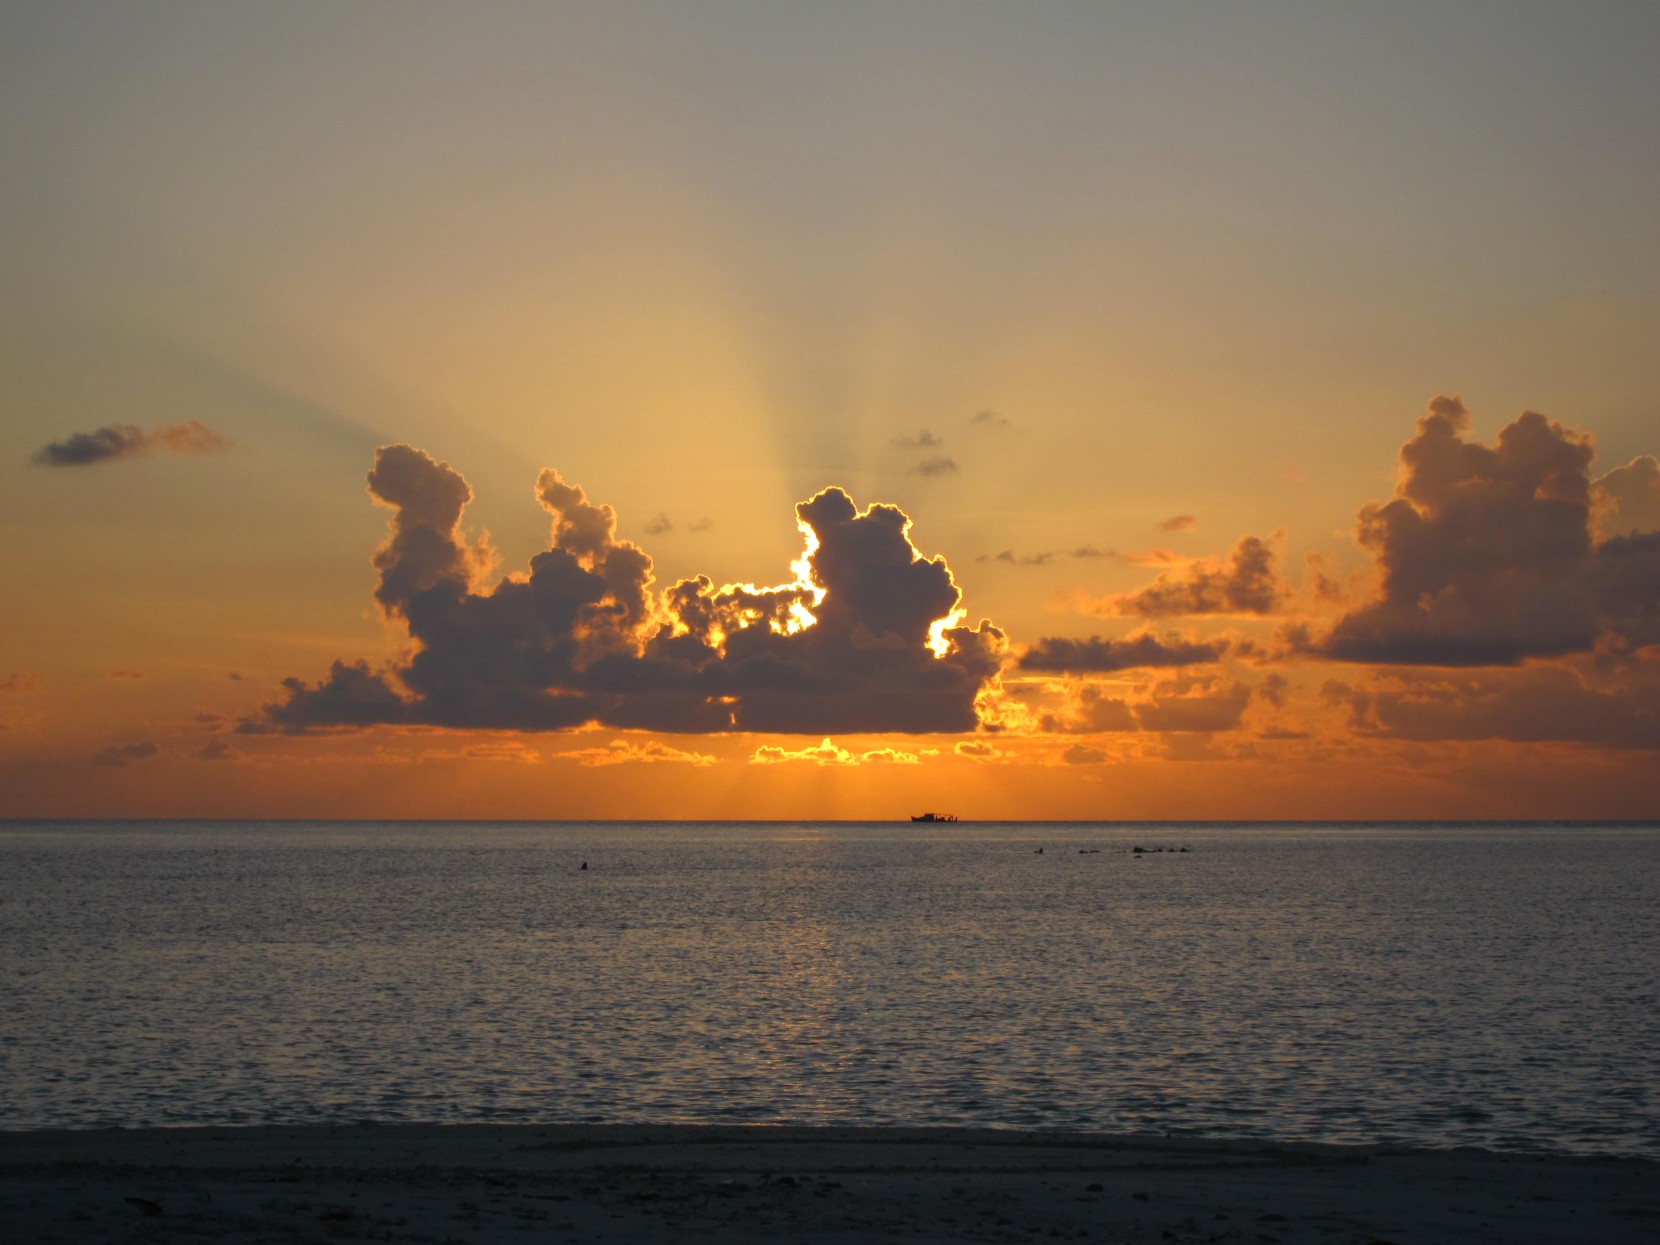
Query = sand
x=514 y=1183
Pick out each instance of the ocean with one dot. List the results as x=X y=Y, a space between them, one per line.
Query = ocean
x=1426 y=985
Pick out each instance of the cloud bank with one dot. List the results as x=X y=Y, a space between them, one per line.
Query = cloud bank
x=866 y=638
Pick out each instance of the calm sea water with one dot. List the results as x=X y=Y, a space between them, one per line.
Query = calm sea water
x=1486 y=985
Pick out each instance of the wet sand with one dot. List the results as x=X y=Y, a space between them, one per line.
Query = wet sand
x=513 y=1183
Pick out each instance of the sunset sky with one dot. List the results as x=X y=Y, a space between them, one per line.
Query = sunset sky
x=1274 y=388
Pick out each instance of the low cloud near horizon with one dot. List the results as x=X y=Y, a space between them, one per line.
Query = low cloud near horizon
x=866 y=638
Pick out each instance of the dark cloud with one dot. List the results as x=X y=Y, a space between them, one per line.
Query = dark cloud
x=1624 y=578
x=1179 y=523
x=864 y=639
x=938 y=465
x=987 y=418
x=117 y=441
x=1018 y=559
x=1247 y=583
x=1091 y=711
x=661 y=524
x=1485 y=551
x=1207 y=705
x=1059 y=655
x=125 y=754
x=1536 y=705
x=1083 y=754
x=702 y=525
x=1045 y=557
x=1627 y=500
x=216 y=749
x=923 y=440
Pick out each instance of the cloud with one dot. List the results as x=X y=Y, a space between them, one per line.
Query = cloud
x=938 y=465
x=1083 y=754
x=977 y=750
x=1247 y=583
x=118 y=441
x=866 y=638
x=131 y=676
x=661 y=524
x=625 y=752
x=987 y=418
x=125 y=754
x=923 y=440
x=1179 y=523
x=1627 y=500
x=21 y=683
x=702 y=525
x=1206 y=705
x=216 y=749
x=1536 y=705
x=1059 y=655
x=1090 y=710
x=1485 y=551
x=824 y=753
x=1045 y=557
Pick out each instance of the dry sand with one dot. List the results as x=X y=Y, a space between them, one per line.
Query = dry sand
x=488 y=1183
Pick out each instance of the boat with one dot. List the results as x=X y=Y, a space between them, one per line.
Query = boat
x=934 y=817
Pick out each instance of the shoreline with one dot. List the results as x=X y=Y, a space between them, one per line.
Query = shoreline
x=487 y=1183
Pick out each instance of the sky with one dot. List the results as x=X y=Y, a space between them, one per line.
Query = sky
x=1079 y=411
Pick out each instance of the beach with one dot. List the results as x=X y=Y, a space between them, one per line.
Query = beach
x=480 y=1184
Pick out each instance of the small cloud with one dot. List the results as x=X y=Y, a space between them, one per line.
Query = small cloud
x=977 y=750
x=1179 y=523
x=130 y=675
x=824 y=753
x=1060 y=654
x=1247 y=583
x=234 y=677
x=216 y=749
x=987 y=418
x=1083 y=754
x=1018 y=559
x=893 y=756
x=118 y=441
x=126 y=754
x=509 y=751
x=923 y=440
x=1158 y=557
x=622 y=752
x=702 y=525
x=21 y=683
x=1046 y=556
x=660 y=525
x=939 y=465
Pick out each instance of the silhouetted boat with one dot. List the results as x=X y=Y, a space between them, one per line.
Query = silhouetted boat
x=934 y=817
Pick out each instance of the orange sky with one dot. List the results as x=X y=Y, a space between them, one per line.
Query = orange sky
x=1149 y=326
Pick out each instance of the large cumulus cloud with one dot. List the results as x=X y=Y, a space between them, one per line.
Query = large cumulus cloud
x=865 y=638
x=1486 y=553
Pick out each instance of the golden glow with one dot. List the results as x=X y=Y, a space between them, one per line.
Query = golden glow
x=936 y=633
x=803 y=566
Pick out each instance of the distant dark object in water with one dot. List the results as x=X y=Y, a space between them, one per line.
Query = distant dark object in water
x=933 y=817
x=1148 y=851
x=1039 y=852
x=1089 y=851
x=584 y=867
